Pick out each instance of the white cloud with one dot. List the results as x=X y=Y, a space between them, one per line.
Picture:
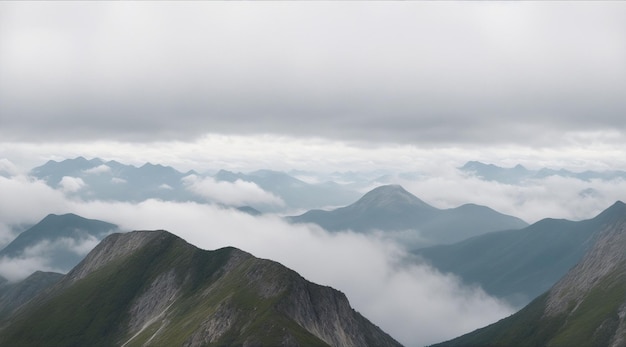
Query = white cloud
x=550 y=197
x=231 y=193
x=408 y=301
x=16 y=269
x=70 y=184
x=98 y=170
x=118 y=180
x=40 y=257
x=165 y=186
x=8 y=167
x=25 y=201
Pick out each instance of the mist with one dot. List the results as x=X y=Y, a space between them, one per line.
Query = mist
x=407 y=300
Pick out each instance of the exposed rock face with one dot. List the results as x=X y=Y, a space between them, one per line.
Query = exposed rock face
x=117 y=246
x=607 y=257
x=152 y=288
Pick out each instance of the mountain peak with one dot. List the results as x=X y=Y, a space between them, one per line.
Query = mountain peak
x=617 y=210
x=390 y=196
x=161 y=290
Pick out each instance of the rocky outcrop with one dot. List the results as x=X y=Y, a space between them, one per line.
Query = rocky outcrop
x=152 y=288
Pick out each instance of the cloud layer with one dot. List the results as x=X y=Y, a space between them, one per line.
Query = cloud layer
x=236 y=193
x=416 y=72
x=408 y=301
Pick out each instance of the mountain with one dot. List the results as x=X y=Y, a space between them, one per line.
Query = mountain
x=14 y=295
x=295 y=193
x=391 y=208
x=153 y=288
x=587 y=307
x=519 y=173
x=519 y=265
x=96 y=179
x=112 y=180
x=60 y=239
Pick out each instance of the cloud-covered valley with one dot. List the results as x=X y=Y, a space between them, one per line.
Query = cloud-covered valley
x=409 y=301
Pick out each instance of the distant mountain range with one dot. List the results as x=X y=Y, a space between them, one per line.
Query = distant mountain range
x=111 y=180
x=391 y=208
x=519 y=265
x=295 y=193
x=585 y=308
x=153 y=288
x=59 y=239
x=519 y=173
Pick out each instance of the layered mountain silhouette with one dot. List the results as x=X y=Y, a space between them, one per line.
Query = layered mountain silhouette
x=521 y=264
x=60 y=239
x=587 y=307
x=14 y=295
x=392 y=208
x=519 y=173
x=111 y=180
x=153 y=288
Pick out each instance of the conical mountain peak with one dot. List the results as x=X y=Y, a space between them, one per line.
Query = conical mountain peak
x=390 y=196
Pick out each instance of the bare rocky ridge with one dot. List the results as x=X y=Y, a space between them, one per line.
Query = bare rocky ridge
x=116 y=247
x=152 y=288
x=607 y=255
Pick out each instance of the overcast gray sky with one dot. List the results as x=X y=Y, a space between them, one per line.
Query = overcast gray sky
x=479 y=75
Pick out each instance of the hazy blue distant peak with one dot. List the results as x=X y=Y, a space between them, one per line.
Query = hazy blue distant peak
x=390 y=196
x=519 y=173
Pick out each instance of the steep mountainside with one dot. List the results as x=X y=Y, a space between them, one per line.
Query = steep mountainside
x=55 y=238
x=587 y=307
x=153 y=288
x=392 y=208
x=521 y=264
x=14 y=295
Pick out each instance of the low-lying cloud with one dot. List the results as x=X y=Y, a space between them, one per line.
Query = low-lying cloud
x=230 y=193
x=550 y=197
x=98 y=170
x=409 y=301
x=45 y=256
x=71 y=184
x=413 y=302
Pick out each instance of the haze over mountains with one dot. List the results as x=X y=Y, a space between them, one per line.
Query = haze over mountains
x=519 y=265
x=409 y=298
x=57 y=243
x=96 y=179
x=518 y=174
x=391 y=209
x=584 y=308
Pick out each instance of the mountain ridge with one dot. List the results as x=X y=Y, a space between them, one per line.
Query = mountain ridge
x=152 y=287
x=586 y=307
x=391 y=208
x=519 y=265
